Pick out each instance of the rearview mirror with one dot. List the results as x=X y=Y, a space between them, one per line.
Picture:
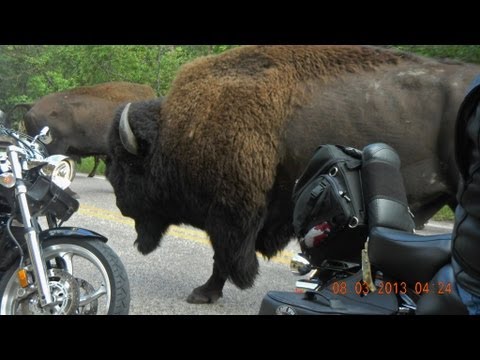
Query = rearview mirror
x=3 y=117
x=45 y=136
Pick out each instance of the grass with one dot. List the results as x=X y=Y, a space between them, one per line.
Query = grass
x=445 y=214
x=86 y=165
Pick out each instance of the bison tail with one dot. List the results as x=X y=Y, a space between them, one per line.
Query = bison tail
x=273 y=239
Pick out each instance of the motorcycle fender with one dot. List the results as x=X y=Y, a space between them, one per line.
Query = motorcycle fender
x=71 y=232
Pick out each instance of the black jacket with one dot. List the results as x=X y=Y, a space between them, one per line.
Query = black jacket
x=466 y=233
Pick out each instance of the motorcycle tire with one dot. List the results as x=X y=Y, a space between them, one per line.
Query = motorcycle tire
x=112 y=295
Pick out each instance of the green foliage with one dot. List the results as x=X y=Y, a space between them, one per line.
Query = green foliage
x=86 y=165
x=468 y=53
x=28 y=72
x=445 y=214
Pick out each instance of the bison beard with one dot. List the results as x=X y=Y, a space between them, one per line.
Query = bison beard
x=223 y=149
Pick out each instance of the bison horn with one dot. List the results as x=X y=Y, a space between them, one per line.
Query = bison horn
x=27 y=107
x=126 y=134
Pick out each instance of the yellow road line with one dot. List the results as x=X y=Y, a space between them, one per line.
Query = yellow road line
x=195 y=235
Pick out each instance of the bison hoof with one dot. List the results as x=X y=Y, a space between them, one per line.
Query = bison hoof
x=199 y=296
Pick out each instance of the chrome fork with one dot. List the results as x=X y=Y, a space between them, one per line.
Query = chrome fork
x=33 y=242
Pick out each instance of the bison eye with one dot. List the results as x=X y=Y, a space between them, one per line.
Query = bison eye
x=54 y=113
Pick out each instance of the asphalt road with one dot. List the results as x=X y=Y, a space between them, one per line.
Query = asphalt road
x=160 y=282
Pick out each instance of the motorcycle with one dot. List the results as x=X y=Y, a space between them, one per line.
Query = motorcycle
x=48 y=268
x=383 y=268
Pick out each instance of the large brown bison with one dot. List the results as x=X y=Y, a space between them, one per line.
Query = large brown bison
x=222 y=151
x=80 y=118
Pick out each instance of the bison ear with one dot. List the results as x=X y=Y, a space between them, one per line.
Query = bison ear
x=127 y=137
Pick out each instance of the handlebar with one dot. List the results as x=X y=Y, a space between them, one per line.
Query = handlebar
x=32 y=148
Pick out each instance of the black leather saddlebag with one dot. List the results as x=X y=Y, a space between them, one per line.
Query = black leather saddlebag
x=326 y=302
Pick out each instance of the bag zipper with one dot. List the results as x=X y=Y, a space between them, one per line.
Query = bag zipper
x=328 y=164
x=340 y=193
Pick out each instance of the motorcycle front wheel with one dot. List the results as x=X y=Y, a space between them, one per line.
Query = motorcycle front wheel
x=86 y=277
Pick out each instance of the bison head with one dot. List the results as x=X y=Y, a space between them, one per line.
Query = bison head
x=128 y=168
x=52 y=113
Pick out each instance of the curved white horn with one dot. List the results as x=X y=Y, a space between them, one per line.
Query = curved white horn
x=126 y=134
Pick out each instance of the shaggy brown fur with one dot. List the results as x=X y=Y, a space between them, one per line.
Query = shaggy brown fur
x=224 y=148
x=239 y=102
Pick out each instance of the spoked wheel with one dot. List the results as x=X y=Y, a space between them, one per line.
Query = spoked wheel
x=85 y=276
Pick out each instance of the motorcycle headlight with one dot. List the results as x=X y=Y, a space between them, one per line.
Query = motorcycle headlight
x=60 y=169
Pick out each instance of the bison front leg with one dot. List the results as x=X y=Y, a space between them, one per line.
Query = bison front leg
x=149 y=234
x=241 y=269
x=235 y=256
x=211 y=291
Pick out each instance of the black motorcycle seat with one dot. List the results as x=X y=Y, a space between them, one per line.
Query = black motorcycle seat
x=408 y=257
x=443 y=298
